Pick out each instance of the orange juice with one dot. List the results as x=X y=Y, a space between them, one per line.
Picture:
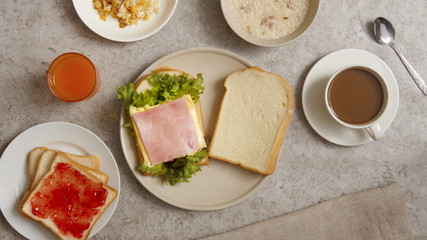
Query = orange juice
x=73 y=77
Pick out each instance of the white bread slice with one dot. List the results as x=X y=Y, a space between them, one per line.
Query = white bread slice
x=89 y=161
x=43 y=166
x=44 y=158
x=142 y=85
x=33 y=161
x=254 y=114
x=27 y=208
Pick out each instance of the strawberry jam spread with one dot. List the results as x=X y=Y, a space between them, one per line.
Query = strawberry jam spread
x=70 y=199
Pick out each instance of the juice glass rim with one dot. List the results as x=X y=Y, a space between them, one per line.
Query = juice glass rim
x=50 y=78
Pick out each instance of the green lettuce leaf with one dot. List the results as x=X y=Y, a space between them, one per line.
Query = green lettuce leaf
x=165 y=87
x=179 y=170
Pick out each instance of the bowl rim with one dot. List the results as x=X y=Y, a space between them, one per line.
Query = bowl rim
x=307 y=23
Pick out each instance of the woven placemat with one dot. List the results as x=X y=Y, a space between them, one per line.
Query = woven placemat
x=378 y=213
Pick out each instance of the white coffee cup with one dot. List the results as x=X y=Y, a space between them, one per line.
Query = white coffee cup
x=353 y=92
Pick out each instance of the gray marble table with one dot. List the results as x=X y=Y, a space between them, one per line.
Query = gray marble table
x=310 y=169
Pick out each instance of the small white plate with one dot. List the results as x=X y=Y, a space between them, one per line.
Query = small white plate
x=110 y=29
x=14 y=178
x=313 y=95
x=219 y=184
x=226 y=6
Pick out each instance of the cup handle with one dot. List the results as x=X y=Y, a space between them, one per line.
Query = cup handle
x=375 y=131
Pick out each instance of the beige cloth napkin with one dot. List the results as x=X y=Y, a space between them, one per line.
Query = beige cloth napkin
x=378 y=213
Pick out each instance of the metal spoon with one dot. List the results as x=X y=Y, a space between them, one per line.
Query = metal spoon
x=384 y=33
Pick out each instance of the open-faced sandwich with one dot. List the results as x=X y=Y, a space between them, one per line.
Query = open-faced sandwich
x=40 y=161
x=165 y=114
x=67 y=192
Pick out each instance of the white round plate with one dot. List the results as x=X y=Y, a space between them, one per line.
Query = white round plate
x=110 y=29
x=226 y=6
x=313 y=95
x=219 y=184
x=14 y=178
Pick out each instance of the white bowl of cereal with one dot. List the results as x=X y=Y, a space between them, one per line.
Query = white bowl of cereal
x=270 y=23
x=125 y=21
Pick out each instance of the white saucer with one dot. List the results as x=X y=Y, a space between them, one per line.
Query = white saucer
x=110 y=29
x=314 y=87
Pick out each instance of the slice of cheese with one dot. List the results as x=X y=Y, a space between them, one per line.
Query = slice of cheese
x=167 y=131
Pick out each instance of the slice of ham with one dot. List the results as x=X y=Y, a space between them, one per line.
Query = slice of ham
x=167 y=131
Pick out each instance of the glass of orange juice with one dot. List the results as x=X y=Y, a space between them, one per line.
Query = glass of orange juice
x=72 y=77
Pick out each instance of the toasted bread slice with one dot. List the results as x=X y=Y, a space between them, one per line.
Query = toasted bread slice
x=255 y=112
x=33 y=161
x=142 y=85
x=44 y=158
x=89 y=161
x=69 y=199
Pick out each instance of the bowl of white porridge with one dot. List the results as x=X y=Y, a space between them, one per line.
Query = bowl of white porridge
x=270 y=23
